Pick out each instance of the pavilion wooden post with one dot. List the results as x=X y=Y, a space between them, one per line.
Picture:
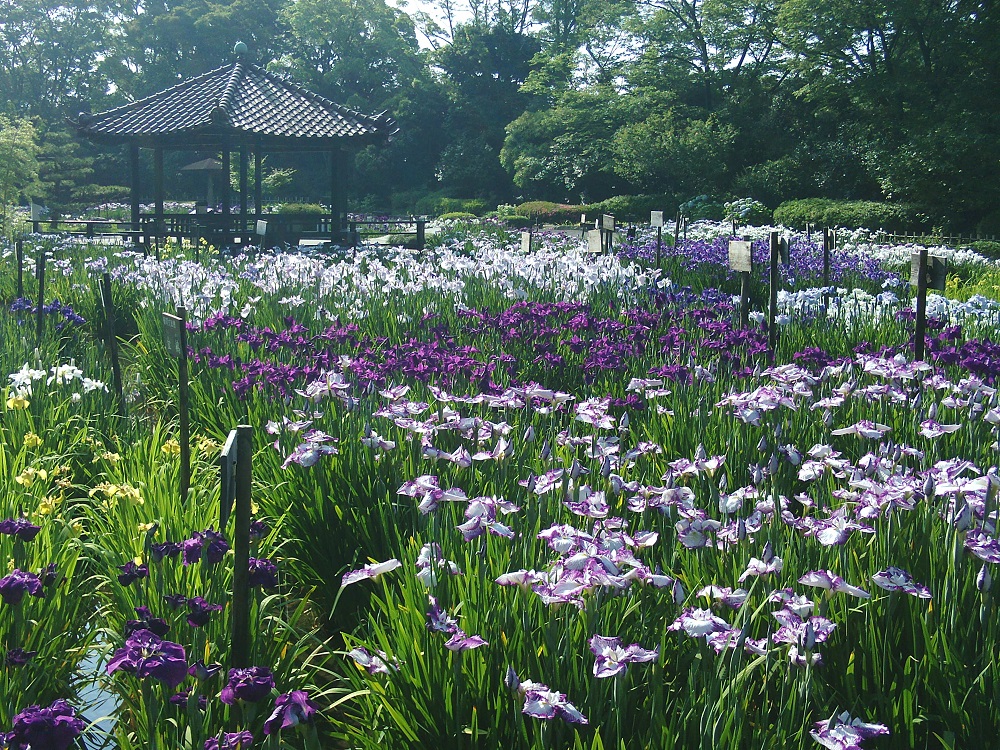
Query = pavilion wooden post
x=159 y=223
x=258 y=192
x=338 y=188
x=133 y=164
x=226 y=194
x=244 y=165
x=240 y=640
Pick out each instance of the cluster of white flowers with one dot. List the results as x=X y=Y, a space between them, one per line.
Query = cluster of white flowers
x=23 y=381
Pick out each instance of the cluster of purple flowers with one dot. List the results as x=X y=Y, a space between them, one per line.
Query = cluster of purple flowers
x=68 y=314
x=54 y=727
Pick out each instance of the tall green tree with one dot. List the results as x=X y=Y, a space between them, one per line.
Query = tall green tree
x=18 y=166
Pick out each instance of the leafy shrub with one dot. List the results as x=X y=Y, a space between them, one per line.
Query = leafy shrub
x=518 y=222
x=301 y=208
x=747 y=211
x=456 y=215
x=702 y=207
x=894 y=217
x=548 y=212
x=989 y=224
x=987 y=248
x=631 y=207
x=771 y=182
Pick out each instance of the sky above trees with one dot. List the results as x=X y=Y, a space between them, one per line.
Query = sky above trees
x=569 y=100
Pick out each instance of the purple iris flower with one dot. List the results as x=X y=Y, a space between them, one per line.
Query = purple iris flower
x=18 y=657
x=230 y=741
x=13 y=587
x=459 y=641
x=845 y=733
x=202 y=671
x=209 y=543
x=146 y=655
x=613 y=659
x=182 y=698
x=48 y=574
x=542 y=703
x=290 y=710
x=439 y=621
x=251 y=685
x=698 y=623
x=175 y=600
x=156 y=625
x=377 y=663
x=199 y=611
x=826 y=579
x=370 y=571
x=20 y=527
x=263 y=574
x=131 y=572
x=166 y=549
x=897 y=579
x=52 y=728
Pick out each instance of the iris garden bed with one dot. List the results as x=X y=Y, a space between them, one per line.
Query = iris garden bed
x=505 y=499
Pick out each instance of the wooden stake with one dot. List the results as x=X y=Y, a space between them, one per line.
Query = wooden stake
x=111 y=340
x=182 y=381
x=772 y=307
x=921 y=325
x=40 y=302
x=239 y=654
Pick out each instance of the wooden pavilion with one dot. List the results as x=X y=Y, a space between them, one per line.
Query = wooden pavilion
x=240 y=109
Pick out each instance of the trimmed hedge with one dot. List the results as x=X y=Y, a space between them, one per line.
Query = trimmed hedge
x=623 y=207
x=893 y=217
x=301 y=208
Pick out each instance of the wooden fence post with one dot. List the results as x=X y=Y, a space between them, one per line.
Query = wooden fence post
x=239 y=654
x=40 y=302
x=111 y=339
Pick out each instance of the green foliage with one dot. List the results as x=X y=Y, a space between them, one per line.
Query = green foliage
x=456 y=216
x=301 y=208
x=771 y=182
x=702 y=207
x=18 y=165
x=668 y=152
x=548 y=212
x=851 y=214
x=64 y=172
x=631 y=207
x=747 y=211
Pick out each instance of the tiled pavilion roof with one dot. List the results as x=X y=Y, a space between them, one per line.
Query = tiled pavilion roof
x=236 y=104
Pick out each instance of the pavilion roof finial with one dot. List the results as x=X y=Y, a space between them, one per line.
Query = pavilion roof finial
x=240 y=50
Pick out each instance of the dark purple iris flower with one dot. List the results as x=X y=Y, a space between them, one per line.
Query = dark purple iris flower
x=13 y=587
x=230 y=741
x=263 y=574
x=166 y=549
x=18 y=657
x=199 y=611
x=175 y=600
x=52 y=728
x=48 y=574
x=146 y=621
x=20 y=527
x=209 y=543
x=290 y=710
x=130 y=573
x=146 y=655
x=181 y=699
x=202 y=671
x=251 y=685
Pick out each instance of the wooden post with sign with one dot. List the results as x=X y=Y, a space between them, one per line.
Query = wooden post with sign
x=227 y=479
x=111 y=339
x=918 y=278
x=677 y=229
x=583 y=226
x=19 y=251
x=741 y=261
x=526 y=242
x=827 y=249
x=40 y=302
x=772 y=306
x=239 y=644
x=261 y=232
x=607 y=232
x=175 y=340
x=656 y=220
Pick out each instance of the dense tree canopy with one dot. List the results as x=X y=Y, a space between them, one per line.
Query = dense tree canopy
x=563 y=99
